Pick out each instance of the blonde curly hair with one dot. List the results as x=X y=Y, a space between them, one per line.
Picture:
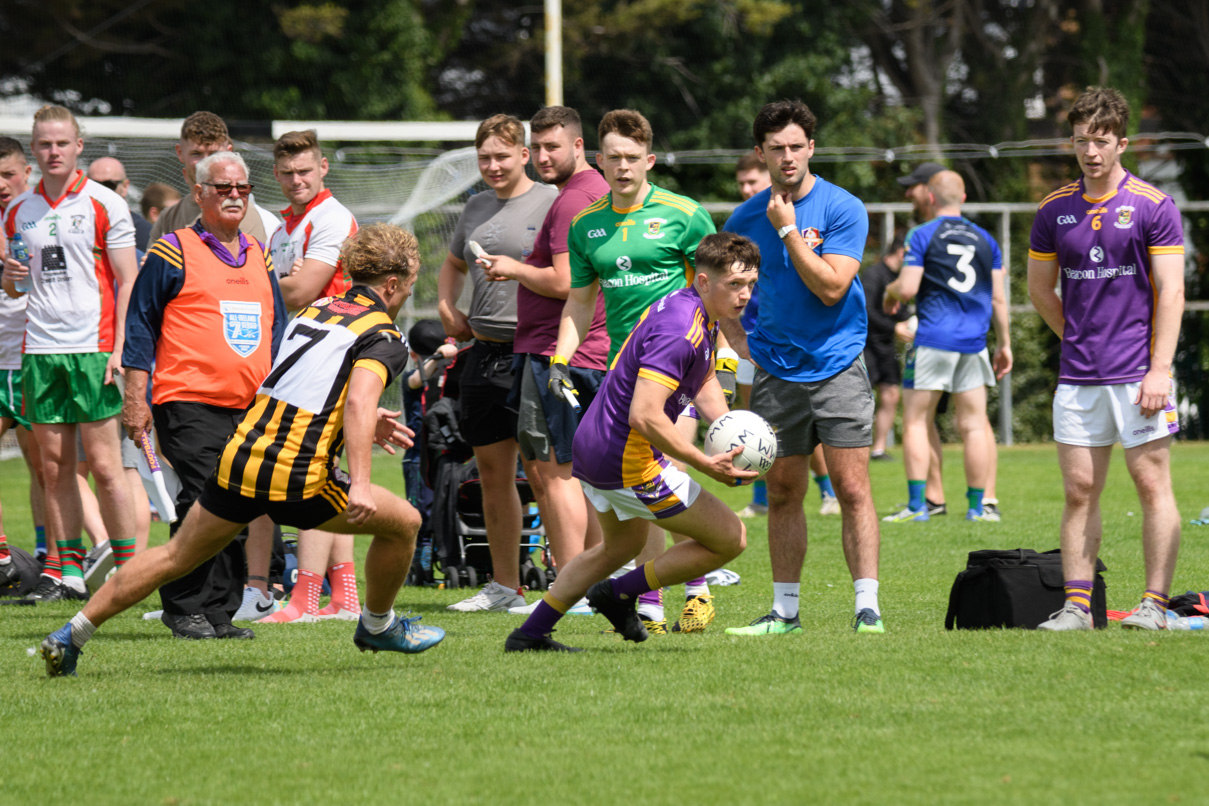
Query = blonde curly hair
x=379 y=250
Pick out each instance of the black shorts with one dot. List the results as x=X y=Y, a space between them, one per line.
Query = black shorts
x=486 y=383
x=306 y=513
x=883 y=365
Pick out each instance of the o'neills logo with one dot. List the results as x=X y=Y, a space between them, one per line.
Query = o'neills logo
x=812 y=237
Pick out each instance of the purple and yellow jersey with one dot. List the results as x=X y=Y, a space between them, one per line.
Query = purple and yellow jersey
x=1103 y=249
x=673 y=345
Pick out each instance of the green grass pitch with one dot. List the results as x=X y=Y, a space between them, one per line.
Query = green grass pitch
x=915 y=716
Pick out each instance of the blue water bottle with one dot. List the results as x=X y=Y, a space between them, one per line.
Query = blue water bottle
x=20 y=253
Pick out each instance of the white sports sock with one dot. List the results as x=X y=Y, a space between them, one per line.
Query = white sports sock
x=785 y=599
x=377 y=623
x=81 y=629
x=866 y=595
x=691 y=591
x=650 y=612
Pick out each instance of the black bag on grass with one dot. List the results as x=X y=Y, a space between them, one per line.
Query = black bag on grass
x=27 y=573
x=1016 y=588
x=1192 y=603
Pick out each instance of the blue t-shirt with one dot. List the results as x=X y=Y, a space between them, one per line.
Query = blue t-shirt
x=796 y=337
x=954 y=301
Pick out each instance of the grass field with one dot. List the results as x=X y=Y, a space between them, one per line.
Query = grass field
x=917 y=715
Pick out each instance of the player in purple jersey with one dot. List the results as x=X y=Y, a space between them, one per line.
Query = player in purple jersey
x=1116 y=245
x=625 y=442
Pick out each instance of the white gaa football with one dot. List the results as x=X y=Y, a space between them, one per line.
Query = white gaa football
x=744 y=428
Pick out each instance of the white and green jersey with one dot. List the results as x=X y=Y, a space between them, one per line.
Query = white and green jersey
x=638 y=254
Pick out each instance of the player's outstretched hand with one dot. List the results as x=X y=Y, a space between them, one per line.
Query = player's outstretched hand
x=1152 y=395
x=721 y=467
x=389 y=432
x=361 y=506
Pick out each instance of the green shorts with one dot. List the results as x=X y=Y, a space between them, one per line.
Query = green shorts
x=68 y=388
x=10 y=397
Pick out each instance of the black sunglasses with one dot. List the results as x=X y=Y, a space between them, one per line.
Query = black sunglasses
x=224 y=188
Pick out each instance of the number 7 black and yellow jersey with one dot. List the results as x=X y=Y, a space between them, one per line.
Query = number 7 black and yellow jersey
x=288 y=441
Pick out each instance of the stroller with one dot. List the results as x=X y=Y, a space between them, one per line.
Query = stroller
x=454 y=533
x=460 y=534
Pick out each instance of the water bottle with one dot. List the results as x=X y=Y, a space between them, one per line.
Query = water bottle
x=1175 y=622
x=20 y=253
x=426 y=554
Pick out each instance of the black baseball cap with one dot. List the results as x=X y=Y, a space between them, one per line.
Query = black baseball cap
x=922 y=173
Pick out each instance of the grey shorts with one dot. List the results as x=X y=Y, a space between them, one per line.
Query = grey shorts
x=933 y=370
x=545 y=422
x=836 y=411
x=130 y=451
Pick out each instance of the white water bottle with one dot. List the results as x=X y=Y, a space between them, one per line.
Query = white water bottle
x=1175 y=622
x=20 y=253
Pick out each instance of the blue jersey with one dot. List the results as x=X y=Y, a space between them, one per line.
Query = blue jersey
x=796 y=337
x=954 y=301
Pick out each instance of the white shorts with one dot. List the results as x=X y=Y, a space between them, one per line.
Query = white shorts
x=671 y=492
x=932 y=370
x=747 y=372
x=1094 y=416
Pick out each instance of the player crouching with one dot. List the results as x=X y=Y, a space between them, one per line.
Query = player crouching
x=322 y=393
x=621 y=451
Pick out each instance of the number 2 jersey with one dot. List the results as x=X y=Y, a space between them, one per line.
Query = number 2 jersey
x=1103 y=248
x=291 y=436
x=71 y=307
x=954 y=301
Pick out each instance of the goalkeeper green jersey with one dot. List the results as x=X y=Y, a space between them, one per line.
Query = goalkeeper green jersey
x=638 y=254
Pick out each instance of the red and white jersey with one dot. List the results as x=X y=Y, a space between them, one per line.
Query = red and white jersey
x=71 y=305
x=317 y=234
x=12 y=316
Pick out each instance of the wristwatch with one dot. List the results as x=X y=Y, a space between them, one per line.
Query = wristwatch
x=785 y=230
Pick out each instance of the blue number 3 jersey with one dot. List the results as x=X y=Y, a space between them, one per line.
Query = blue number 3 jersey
x=954 y=301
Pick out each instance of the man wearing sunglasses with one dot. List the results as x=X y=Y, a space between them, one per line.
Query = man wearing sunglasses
x=207 y=314
x=202 y=134
x=110 y=172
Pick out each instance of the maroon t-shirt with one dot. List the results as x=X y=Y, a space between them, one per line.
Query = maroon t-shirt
x=537 y=317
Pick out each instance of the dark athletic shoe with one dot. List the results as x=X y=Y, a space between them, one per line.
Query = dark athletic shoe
x=60 y=653
x=48 y=589
x=622 y=615
x=229 y=630
x=519 y=642
x=193 y=626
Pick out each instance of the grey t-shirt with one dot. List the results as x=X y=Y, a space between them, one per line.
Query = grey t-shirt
x=502 y=227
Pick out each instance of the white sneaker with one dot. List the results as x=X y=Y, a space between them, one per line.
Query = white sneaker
x=831 y=505
x=753 y=511
x=493 y=596
x=524 y=610
x=581 y=608
x=1070 y=617
x=255 y=606
x=1149 y=615
x=97 y=565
